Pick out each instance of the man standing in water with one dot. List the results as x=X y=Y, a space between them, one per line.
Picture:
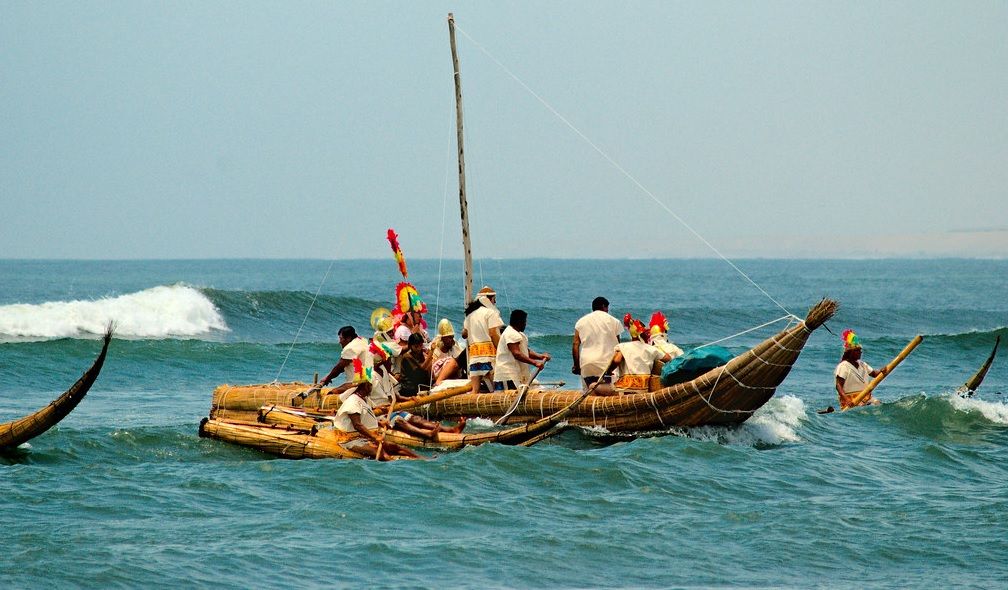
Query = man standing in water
x=853 y=374
x=595 y=338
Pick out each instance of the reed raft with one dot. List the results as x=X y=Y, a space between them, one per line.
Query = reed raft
x=729 y=394
x=280 y=440
x=22 y=430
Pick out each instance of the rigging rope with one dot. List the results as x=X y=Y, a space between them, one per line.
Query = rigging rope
x=305 y=320
x=621 y=169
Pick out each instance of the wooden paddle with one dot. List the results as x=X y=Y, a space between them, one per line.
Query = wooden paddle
x=521 y=396
x=388 y=424
x=862 y=395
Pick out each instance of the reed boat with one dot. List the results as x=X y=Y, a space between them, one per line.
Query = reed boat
x=280 y=440
x=725 y=395
x=515 y=436
x=17 y=432
x=295 y=433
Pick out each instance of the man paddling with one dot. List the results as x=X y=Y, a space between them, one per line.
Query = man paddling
x=358 y=423
x=513 y=354
x=853 y=374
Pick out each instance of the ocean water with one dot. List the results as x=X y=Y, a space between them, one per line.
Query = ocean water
x=123 y=493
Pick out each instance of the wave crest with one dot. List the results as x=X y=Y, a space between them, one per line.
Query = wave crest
x=158 y=312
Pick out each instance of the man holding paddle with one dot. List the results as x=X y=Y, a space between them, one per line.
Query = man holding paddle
x=513 y=354
x=853 y=374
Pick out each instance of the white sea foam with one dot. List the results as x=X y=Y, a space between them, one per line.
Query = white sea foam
x=775 y=423
x=996 y=412
x=159 y=312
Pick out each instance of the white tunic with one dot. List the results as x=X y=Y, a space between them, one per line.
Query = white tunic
x=355 y=349
x=355 y=405
x=507 y=367
x=855 y=378
x=599 y=333
x=661 y=343
x=382 y=388
x=477 y=326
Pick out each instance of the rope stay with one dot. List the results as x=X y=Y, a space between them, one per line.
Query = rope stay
x=621 y=169
x=304 y=321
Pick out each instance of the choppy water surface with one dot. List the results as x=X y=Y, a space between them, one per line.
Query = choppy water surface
x=123 y=492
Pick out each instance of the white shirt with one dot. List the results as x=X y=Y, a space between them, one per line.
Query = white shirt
x=477 y=326
x=599 y=333
x=355 y=405
x=382 y=388
x=660 y=341
x=355 y=349
x=638 y=357
x=507 y=367
x=855 y=378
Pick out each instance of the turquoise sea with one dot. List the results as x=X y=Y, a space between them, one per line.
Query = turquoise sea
x=123 y=493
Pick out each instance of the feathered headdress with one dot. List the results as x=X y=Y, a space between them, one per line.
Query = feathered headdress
x=635 y=326
x=361 y=374
x=850 y=340
x=394 y=242
x=408 y=299
x=382 y=351
x=658 y=324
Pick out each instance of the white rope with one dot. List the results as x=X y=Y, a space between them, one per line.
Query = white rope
x=444 y=209
x=305 y=320
x=621 y=169
x=790 y=316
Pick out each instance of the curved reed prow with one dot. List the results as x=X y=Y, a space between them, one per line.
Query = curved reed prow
x=820 y=313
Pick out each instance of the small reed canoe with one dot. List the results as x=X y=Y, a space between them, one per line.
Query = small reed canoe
x=22 y=430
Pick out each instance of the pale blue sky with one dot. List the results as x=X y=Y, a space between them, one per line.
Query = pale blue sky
x=305 y=129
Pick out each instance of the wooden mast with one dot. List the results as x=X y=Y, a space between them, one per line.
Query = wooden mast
x=463 y=206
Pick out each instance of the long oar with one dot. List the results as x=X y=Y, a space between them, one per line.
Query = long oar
x=388 y=424
x=864 y=393
x=521 y=396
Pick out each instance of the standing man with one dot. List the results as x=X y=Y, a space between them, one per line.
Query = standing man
x=513 y=354
x=853 y=374
x=481 y=329
x=595 y=339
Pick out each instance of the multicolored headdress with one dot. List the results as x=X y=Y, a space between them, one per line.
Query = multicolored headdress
x=635 y=326
x=397 y=251
x=850 y=340
x=361 y=374
x=658 y=324
x=382 y=351
x=408 y=299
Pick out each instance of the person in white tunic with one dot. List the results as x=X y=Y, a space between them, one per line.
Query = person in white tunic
x=659 y=335
x=354 y=348
x=356 y=419
x=511 y=367
x=481 y=329
x=635 y=360
x=853 y=374
x=595 y=337
x=446 y=353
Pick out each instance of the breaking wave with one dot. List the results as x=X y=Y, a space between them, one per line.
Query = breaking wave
x=995 y=412
x=158 y=312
